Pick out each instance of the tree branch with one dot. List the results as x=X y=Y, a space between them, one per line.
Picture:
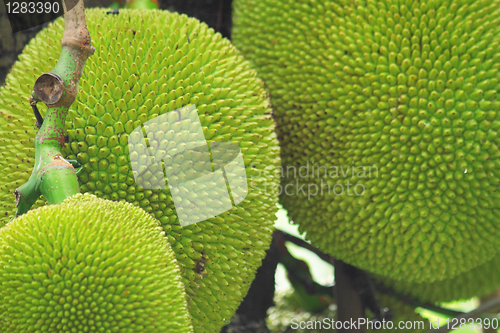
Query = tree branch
x=349 y=304
x=299 y=242
x=379 y=287
x=53 y=176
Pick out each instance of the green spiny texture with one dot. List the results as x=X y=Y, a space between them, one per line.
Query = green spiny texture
x=478 y=282
x=148 y=63
x=89 y=265
x=397 y=102
x=403 y=315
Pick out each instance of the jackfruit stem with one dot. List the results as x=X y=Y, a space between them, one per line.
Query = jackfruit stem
x=53 y=176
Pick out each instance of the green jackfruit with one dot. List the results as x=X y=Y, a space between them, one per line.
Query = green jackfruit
x=89 y=265
x=391 y=111
x=404 y=317
x=478 y=282
x=146 y=64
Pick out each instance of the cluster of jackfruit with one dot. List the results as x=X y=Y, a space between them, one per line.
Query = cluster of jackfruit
x=390 y=109
x=146 y=64
x=89 y=265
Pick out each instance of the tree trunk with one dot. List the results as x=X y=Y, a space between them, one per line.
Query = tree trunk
x=349 y=305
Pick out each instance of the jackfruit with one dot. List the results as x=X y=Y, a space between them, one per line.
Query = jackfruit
x=387 y=115
x=148 y=63
x=478 y=282
x=89 y=265
x=404 y=317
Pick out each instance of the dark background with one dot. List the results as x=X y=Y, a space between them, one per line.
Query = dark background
x=216 y=13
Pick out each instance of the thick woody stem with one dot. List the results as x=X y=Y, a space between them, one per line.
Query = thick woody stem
x=54 y=177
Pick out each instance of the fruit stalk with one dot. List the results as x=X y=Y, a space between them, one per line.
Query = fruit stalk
x=53 y=176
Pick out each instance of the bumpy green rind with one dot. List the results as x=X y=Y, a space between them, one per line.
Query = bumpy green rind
x=478 y=282
x=148 y=63
x=89 y=265
x=404 y=317
x=396 y=101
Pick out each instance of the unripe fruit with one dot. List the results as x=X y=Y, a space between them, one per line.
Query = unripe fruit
x=89 y=265
x=396 y=102
x=148 y=63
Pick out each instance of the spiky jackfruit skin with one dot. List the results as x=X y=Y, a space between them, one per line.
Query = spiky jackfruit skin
x=478 y=282
x=146 y=64
x=402 y=95
x=404 y=317
x=89 y=265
